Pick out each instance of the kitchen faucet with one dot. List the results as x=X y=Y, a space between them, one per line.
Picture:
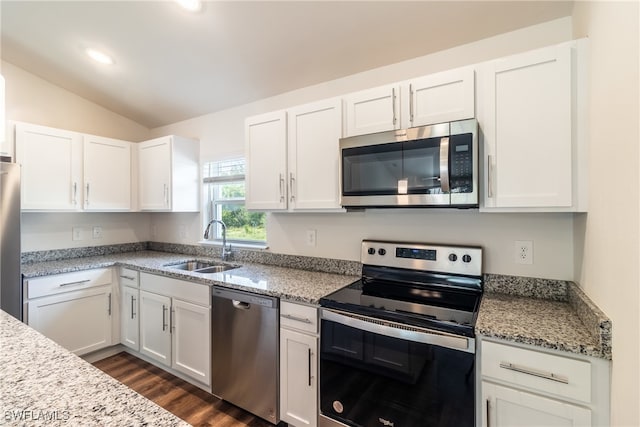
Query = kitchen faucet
x=226 y=251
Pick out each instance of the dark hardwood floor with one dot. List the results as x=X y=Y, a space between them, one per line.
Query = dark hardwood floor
x=184 y=400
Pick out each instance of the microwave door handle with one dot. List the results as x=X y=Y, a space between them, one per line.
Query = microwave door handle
x=444 y=165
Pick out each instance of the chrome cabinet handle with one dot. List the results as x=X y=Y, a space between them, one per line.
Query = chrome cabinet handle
x=86 y=200
x=109 y=310
x=128 y=277
x=74 y=199
x=133 y=301
x=444 y=165
x=164 y=318
x=536 y=373
x=393 y=106
x=411 y=104
x=488 y=418
x=281 y=188
x=310 y=367
x=296 y=318
x=166 y=195
x=172 y=326
x=490 y=176
x=292 y=181
x=79 y=282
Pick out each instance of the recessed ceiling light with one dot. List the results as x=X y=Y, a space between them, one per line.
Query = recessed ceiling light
x=190 y=5
x=100 y=57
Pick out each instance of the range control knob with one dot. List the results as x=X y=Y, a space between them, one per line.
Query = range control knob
x=453 y=257
x=371 y=251
x=466 y=258
x=382 y=251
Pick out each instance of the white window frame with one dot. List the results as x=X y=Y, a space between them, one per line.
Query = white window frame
x=214 y=204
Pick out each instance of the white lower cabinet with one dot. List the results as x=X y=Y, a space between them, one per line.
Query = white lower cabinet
x=506 y=406
x=298 y=365
x=129 y=317
x=73 y=309
x=529 y=387
x=175 y=326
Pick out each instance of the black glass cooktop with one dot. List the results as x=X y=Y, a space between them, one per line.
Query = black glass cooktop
x=434 y=301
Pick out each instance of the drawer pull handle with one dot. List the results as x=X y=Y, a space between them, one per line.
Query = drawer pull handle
x=542 y=374
x=297 y=319
x=128 y=277
x=79 y=282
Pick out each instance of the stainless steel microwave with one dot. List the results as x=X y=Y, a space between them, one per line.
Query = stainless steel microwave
x=428 y=166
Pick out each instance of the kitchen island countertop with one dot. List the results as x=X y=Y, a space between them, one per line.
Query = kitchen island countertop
x=43 y=384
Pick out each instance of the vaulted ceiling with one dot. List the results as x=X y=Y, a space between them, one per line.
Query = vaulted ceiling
x=171 y=64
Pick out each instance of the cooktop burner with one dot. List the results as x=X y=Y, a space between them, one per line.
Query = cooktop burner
x=435 y=287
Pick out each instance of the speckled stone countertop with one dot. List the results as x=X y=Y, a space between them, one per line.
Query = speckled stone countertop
x=552 y=315
x=286 y=283
x=43 y=384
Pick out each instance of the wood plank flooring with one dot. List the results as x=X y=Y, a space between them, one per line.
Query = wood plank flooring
x=184 y=400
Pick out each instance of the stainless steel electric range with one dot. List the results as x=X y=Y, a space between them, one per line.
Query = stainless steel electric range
x=398 y=345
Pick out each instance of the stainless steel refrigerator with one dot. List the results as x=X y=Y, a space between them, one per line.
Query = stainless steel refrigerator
x=10 y=276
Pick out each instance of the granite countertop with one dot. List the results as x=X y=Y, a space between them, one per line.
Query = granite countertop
x=286 y=283
x=42 y=383
x=551 y=316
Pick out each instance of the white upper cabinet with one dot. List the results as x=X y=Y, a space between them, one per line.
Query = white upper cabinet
x=531 y=109
x=436 y=98
x=313 y=155
x=442 y=97
x=292 y=158
x=169 y=174
x=372 y=110
x=266 y=160
x=70 y=171
x=51 y=162
x=107 y=174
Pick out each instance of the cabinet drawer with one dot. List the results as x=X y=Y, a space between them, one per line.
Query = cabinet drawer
x=58 y=283
x=548 y=373
x=128 y=277
x=298 y=316
x=186 y=291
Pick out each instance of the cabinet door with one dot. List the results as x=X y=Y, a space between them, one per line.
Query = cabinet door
x=154 y=179
x=129 y=317
x=155 y=328
x=107 y=174
x=298 y=379
x=372 y=110
x=527 y=125
x=313 y=152
x=80 y=321
x=508 y=407
x=442 y=97
x=51 y=162
x=191 y=326
x=266 y=156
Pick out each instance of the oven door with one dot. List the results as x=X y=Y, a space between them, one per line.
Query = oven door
x=375 y=373
x=378 y=171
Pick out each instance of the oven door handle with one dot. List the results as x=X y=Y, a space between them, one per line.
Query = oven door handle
x=400 y=331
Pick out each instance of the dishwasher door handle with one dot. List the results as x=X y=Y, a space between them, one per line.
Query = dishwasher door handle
x=241 y=305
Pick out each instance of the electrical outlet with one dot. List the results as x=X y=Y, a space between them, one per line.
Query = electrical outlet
x=76 y=233
x=523 y=252
x=97 y=232
x=182 y=231
x=311 y=237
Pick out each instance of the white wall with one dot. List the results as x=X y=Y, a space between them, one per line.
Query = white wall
x=338 y=235
x=34 y=100
x=45 y=231
x=607 y=238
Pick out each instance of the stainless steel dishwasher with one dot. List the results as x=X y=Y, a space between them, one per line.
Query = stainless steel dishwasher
x=245 y=351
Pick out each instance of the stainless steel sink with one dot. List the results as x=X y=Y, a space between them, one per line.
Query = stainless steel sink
x=202 y=267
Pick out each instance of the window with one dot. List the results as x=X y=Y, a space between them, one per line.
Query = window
x=224 y=194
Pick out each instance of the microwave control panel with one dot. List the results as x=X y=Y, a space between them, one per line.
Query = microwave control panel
x=461 y=164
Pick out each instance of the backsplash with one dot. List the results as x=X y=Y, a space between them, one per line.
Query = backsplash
x=59 y=254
